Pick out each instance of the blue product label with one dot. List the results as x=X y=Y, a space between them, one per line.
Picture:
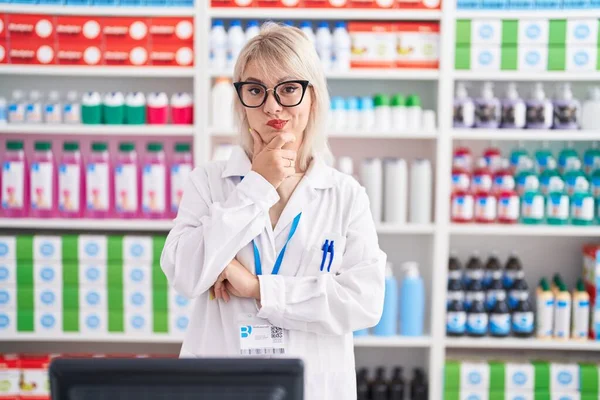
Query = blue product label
x=456 y=322
x=477 y=323
x=500 y=324
x=92 y=321
x=182 y=323
x=522 y=322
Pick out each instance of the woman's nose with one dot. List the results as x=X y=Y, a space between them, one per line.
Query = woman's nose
x=271 y=105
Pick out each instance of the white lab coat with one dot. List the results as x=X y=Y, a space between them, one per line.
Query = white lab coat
x=219 y=216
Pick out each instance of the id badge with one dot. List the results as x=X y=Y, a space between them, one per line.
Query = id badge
x=258 y=337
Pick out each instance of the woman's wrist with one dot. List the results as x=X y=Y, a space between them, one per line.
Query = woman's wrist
x=256 y=290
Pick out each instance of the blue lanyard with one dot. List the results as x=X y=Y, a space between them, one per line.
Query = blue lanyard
x=258 y=264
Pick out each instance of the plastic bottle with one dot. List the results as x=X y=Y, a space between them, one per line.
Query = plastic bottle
x=591 y=110
x=43 y=181
x=567 y=157
x=482 y=177
x=539 y=109
x=135 y=108
x=474 y=289
x=72 y=109
x=562 y=314
x=182 y=108
x=157 y=109
x=341 y=47
x=500 y=318
x=91 y=108
x=517 y=155
x=523 y=318
x=548 y=175
x=517 y=289
x=252 y=30
x=222 y=104
x=582 y=203
x=493 y=157
x=34 y=109
x=513 y=270
x=3 y=111
x=395 y=181
x=363 y=389
x=383 y=113
x=567 y=110
x=397 y=385
x=418 y=386
x=581 y=312
x=513 y=109
x=235 y=42
x=462 y=156
x=557 y=282
x=544 y=311
x=399 y=113
x=380 y=388
x=477 y=317
x=412 y=301
x=508 y=205
x=485 y=209
x=503 y=179
x=218 y=46
x=462 y=206
x=464 y=108
x=455 y=286
x=71 y=190
x=15 y=181
x=493 y=291
x=456 y=318
x=324 y=43
x=154 y=182
x=388 y=323
x=16 y=108
x=53 y=109
x=454 y=267
x=526 y=176
x=352 y=113
x=493 y=269
x=307 y=29
x=367 y=114
x=487 y=108
x=414 y=113
x=180 y=170
x=420 y=192
x=591 y=159
x=338 y=114
x=557 y=203
x=532 y=203
x=113 y=108
x=99 y=194
x=461 y=177
x=127 y=181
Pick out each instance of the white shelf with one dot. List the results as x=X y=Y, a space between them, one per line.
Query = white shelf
x=329 y=14
x=115 y=11
x=526 y=14
x=524 y=230
x=521 y=344
x=81 y=129
x=67 y=70
x=348 y=135
x=405 y=229
x=392 y=341
x=524 y=134
x=526 y=76
x=87 y=224
x=372 y=74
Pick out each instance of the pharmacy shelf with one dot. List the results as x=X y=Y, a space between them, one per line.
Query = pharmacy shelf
x=87 y=224
x=392 y=341
x=214 y=132
x=80 y=338
x=328 y=14
x=524 y=134
x=113 y=11
x=373 y=74
x=66 y=70
x=521 y=344
x=527 y=14
x=535 y=76
x=524 y=230
x=81 y=129
x=405 y=229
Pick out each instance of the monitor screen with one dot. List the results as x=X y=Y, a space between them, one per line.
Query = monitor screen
x=175 y=379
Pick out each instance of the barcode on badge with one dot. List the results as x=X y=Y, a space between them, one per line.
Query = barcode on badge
x=261 y=352
x=276 y=333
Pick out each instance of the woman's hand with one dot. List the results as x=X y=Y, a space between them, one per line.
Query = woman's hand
x=236 y=280
x=271 y=161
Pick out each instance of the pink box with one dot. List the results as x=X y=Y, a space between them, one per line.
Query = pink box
x=31 y=52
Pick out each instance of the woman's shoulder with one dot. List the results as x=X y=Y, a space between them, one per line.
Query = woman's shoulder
x=208 y=172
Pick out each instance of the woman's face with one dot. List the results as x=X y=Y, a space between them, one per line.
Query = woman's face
x=271 y=119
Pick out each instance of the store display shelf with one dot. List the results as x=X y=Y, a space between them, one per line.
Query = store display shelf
x=112 y=130
x=526 y=14
x=66 y=70
x=521 y=344
x=392 y=341
x=405 y=229
x=113 y=11
x=534 y=76
x=373 y=74
x=87 y=224
x=524 y=230
x=524 y=134
x=329 y=14
x=216 y=132
x=81 y=338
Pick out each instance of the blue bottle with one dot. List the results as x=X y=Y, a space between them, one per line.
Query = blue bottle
x=388 y=324
x=412 y=301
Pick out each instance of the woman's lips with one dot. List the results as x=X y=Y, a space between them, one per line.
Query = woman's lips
x=277 y=123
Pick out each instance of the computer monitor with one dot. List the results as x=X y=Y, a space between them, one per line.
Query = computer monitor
x=177 y=379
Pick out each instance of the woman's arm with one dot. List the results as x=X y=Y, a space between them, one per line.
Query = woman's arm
x=329 y=303
x=208 y=235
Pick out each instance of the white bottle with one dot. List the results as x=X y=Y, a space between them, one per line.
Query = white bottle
x=306 y=28
x=367 y=114
x=72 y=109
x=420 y=192
x=591 y=110
x=218 y=46
x=53 y=109
x=33 y=112
x=464 y=108
x=513 y=109
x=252 y=29
x=399 y=113
x=539 y=109
x=222 y=104
x=383 y=113
x=338 y=114
x=352 y=114
x=323 y=42
x=395 y=189
x=341 y=47
x=414 y=113
x=235 y=42
x=3 y=111
x=372 y=180
x=16 y=108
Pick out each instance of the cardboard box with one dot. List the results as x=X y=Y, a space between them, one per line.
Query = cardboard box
x=78 y=53
x=8 y=323
x=78 y=29
x=25 y=27
x=125 y=54
x=138 y=301
x=93 y=299
x=171 y=30
x=232 y=3
x=138 y=323
x=93 y=322
x=564 y=377
x=171 y=55
x=8 y=273
x=3 y=52
x=418 y=45
x=421 y=4
x=278 y=3
x=47 y=248
x=47 y=273
x=519 y=376
x=48 y=322
x=3 y=28
x=373 y=45
x=581 y=58
x=92 y=248
x=485 y=58
x=532 y=58
x=582 y=31
x=8 y=299
x=486 y=31
x=48 y=299
x=10 y=373
x=92 y=274
x=565 y=396
x=533 y=32
x=178 y=323
x=130 y=30
x=34 y=376
x=137 y=249
x=519 y=395
x=474 y=376
x=137 y=275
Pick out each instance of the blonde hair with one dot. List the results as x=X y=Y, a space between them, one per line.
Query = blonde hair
x=284 y=50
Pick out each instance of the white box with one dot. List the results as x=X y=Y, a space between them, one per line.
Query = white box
x=474 y=376
x=47 y=248
x=474 y=395
x=565 y=396
x=93 y=322
x=564 y=377
x=178 y=323
x=8 y=299
x=532 y=58
x=486 y=31
x=519 y=376
x=8 y=273
x=8 y=323
x=47 y=273
x=533 y=31
x=93 y=298
x=137 y=275
x=34 y=383
x=48 y=299
x=178 y=302
x=48 y=322
x=8 y=248
x=139 y=301
x=582 y=31
x=10 y=381
x=137 y=248
x=485 y=58
x=520 y=395
x=92 y=273
x=138 y=323
x=581 y=58
x=92 y=248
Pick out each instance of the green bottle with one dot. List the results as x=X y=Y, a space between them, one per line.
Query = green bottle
x=549 y=173
x=572 y=173
x=516 y=155
x=91 y=108
x=557 y=203
x=113 y=108
x=532 y=203
x=135 y=108
x=582 y=203
x=543 y=157
x=566 y=156
x=525 y=175
x=591 y=159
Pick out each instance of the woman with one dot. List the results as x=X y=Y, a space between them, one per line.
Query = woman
x=275 y=237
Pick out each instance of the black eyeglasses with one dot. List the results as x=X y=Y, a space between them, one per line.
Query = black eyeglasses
x=287 y=94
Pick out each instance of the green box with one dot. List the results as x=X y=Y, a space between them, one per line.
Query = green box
x=542 y=376
x=452 y=376
x=160 y=300
x=25 y=321
x=541 y=395
x=70 y=248
x=24 y=248
x=24 y=274
x=497 y=377
x=588 y=379
x=557 y=58
x=70 y=273
x=115 y=297
x=509 y=57
x=160 y=322
x=25 y=299
x=71 y=321
x=510 y=32
x=452 y=395
x=463 y=32
x=71 y=298
x=116 y=321
x=495 y=395
x=557 y=34
x=462 y=57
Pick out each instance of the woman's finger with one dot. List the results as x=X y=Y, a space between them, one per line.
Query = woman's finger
x=211 y=293
x=258 y=144
x=225 y=295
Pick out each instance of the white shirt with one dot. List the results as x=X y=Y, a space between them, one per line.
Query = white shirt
x=219 y=216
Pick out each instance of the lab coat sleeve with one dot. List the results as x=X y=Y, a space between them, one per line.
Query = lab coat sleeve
x=207 y=235
x=333 y=304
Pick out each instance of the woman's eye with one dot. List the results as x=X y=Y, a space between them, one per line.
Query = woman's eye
x=290 y=89
x=255 y=91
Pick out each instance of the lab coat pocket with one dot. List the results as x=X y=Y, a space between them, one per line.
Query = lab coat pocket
x=324 y=256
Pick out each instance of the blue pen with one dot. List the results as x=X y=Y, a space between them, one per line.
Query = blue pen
x=325 y=250
x=332 y=251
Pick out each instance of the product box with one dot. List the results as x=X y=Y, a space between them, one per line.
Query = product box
x=92 y=248
x=138 y=301
x=532 y=58
x=565 y=396
x=93 y=322
x=178 y=323
x=78 y=53
x=564 y=377
x=3 y=29
x=25 y=27
x=34 y=381
x=130 y=30
x=8 y=248
x=474 y=376
x=92 y=274
x=138 y=323
x=137 y=275
x=171 y=55
x=8 y=273
x=548 y=4
x=8 y=323
x=10 y=373
x=519 y=376
x=47 y=273
x=137 y=249
x=48 y=322
x=591 y=275
x=418 y=45
x=373 y=45
x=93 y=298
x=125 y=54
x=178 y=302
x=486 y=31
x=8 y=299
x=3 y=52
x=232 y=3
x=520 y=395
x=582 y=31
x=278 y=3
x=171 y=30
x=581 y=58
x=485 y=58
x=78 y=29
x=48 y=299
x=47 y=248
x=533 y=32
